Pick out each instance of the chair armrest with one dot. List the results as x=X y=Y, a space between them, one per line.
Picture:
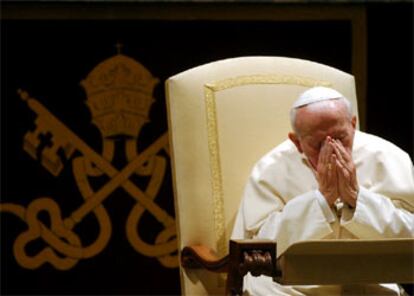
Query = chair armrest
x=202 y=257
x=254 y=256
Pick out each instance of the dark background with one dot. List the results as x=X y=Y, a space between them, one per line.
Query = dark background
x=49 y=58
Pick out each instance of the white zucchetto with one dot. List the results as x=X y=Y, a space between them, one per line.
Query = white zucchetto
x=316 y=94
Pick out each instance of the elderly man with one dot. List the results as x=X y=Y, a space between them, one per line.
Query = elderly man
x=328 y=181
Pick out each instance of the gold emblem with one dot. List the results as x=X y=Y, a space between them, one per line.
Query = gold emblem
x=120 y=95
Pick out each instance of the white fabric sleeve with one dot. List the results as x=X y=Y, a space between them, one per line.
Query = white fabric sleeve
x=326 y=209
x=375 y=217
x=302 y=218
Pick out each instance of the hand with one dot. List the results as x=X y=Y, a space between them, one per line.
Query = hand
x=326 y=172
x=346 y=174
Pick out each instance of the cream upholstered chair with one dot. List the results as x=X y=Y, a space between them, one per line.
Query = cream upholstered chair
x=223 y=116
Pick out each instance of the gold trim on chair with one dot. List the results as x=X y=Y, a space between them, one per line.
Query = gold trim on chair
x=213 y=140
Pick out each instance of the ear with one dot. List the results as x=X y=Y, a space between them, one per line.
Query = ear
x=295 y=139
x=354 y=121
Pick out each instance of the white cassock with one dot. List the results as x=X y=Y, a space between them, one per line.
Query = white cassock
x=282 y=202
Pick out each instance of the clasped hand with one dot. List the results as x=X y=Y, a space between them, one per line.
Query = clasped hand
x=336 y=173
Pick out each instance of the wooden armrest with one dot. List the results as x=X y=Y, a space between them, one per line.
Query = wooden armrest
x=200 y=256
x=256 y=257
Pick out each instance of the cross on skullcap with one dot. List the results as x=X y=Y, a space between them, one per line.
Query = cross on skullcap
x=316 y=94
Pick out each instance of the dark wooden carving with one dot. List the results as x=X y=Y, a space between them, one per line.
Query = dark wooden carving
x=256 y=257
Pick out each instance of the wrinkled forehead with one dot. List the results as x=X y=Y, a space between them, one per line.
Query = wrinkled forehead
x=321 y=116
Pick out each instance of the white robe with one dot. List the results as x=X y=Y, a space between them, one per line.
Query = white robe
x=281 y=202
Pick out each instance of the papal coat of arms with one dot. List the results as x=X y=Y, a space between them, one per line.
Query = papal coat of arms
x=119 y=96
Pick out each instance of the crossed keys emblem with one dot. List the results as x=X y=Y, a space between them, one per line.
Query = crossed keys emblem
x=119 y=96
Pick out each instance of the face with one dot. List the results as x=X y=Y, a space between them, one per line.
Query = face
x=315 y=122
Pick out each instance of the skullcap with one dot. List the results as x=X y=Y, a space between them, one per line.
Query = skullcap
x=316 y=94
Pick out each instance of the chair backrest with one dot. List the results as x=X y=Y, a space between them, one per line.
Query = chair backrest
x=223 y=116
